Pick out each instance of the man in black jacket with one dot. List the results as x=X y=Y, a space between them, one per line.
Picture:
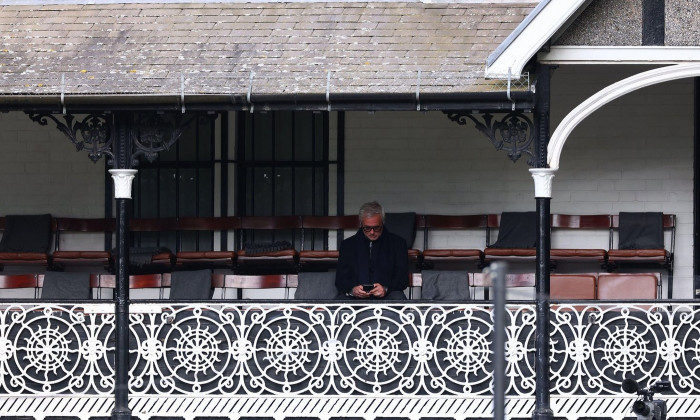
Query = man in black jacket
x=373 y=263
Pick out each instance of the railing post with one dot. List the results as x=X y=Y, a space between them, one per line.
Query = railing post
x=498 y=271
x=122 y=177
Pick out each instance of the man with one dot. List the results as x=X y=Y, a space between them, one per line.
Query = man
x=373 y=263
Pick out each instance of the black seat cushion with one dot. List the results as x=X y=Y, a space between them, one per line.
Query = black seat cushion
x=403 y=225
x=26 y=233
x=316 y=285
x=191 y=285
x=445 y=285
x=65 y=285
x=517 y=230
x=641 y=230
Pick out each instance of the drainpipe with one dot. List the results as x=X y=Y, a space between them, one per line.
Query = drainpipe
x=123 y=176
x=543 y=193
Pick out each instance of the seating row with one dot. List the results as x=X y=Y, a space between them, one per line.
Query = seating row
x=516 y=237
x=627 y=286
x=580 y=286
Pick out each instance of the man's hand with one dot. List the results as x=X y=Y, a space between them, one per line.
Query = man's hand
x=378 y=291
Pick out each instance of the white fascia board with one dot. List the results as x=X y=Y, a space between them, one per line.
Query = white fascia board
x=511 y=56
x=619 y=55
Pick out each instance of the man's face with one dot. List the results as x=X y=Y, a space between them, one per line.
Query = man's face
x=372 y=227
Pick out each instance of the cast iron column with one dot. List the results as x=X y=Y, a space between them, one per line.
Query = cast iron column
x=541 y=123
x=122 y=160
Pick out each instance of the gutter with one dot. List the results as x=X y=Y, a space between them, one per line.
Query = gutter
x=476 y=101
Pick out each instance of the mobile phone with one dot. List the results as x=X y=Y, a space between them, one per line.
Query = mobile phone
x=368 y=287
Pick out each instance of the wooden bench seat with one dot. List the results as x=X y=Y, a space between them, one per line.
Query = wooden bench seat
x=628 y=286
x=161 y=261
x=315 y=230
x=452 y=258
x=24 y=258
x=20 y=281
x=572 y=286
x=654 y=256
x=268 y=229
x=557 y=222
x=62 y=259
x=197 y=258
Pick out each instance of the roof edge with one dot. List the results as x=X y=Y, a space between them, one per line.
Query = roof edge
x=510 y=57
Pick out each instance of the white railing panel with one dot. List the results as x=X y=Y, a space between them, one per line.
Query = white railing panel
x=294 y=359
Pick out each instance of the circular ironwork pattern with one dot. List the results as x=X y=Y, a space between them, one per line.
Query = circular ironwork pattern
x=197 y=350
x=54 y=349
x=287 y=350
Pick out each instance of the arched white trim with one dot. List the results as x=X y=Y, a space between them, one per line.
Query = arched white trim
x=614 y=91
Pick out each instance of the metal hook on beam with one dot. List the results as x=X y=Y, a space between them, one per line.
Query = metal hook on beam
x=63 y=92
x=182 y=92
x=250 y=92
x=418 y=91
x=328 y=90
x=508 y=90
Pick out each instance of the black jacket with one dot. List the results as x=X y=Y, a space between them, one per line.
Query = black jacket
x=387 y=266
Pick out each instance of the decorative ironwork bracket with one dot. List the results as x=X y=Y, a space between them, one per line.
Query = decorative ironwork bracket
x=94 y=132
x=514 y=132
x=150 y=134
x=155 y=132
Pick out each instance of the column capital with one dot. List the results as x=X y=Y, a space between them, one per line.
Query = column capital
x=543 y=181
x=122 y=181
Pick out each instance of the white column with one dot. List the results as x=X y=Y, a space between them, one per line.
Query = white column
x=543 y=181
x=122 y=181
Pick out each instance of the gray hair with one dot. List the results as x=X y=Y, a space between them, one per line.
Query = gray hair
x=371 y=209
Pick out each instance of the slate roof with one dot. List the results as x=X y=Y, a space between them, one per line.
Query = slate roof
x=157 y=50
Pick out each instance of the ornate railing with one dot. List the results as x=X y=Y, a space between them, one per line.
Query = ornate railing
x=280 y=359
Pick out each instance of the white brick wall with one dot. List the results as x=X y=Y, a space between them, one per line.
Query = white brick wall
x=41 y=172
x=634 y=154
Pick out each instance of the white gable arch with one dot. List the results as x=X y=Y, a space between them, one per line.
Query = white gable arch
x=614 y=91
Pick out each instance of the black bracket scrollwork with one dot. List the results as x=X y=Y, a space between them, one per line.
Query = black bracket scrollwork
x=514 y=133
x=157 y=132
x=93 y=132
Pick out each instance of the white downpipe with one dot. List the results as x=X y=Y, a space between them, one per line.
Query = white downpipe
x=614 y=91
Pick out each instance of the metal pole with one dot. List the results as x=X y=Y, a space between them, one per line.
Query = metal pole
x=122 y=157
x=121 y=363
x=542 y=408
x=498 y=275
x=541 y=119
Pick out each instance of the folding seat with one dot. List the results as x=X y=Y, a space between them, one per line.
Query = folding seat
x=26 y=240
x=268 y=244
x=83 y=230
x=197 y=233
x=452 y=258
